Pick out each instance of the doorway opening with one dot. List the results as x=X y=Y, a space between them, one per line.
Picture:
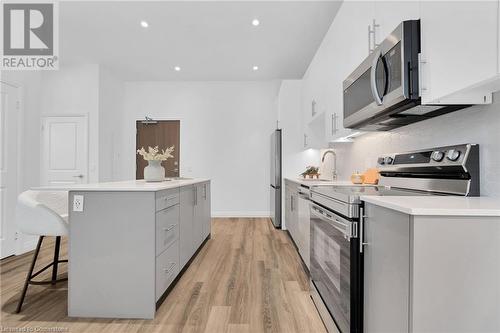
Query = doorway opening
x=161 y=133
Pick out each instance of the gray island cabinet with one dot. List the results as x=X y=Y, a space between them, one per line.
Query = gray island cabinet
x=129 y=241
x=431 y=269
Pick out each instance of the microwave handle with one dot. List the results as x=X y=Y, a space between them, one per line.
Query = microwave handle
x=373 y=77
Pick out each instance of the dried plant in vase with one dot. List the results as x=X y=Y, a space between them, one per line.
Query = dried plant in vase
x=311 y=171
x=154 y=172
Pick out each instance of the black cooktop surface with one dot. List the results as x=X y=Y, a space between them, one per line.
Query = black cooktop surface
x=351 y=194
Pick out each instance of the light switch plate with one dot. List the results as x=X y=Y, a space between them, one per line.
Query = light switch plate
x=78 y=203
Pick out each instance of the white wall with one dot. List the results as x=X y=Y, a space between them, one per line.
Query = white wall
x=478 y=124
x=75 y=90
x=225 y=136
x=111 y=92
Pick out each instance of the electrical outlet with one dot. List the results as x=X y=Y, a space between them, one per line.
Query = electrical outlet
x=78 y=203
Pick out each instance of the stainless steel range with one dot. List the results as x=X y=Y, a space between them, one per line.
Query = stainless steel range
x=336 y=259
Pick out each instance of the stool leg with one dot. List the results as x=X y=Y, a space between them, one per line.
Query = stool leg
x=28 y=277
x=56 y=259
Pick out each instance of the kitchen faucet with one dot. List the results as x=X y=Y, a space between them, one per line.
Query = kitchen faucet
x=334 y=162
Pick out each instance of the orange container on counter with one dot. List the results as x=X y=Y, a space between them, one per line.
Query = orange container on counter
x=371 y=176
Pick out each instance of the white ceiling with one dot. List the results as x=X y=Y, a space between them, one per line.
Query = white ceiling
x=212 y=40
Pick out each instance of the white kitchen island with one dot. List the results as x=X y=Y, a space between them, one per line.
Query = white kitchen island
x=130 y=241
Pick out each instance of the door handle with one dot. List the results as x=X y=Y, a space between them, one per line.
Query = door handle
x=78 y=176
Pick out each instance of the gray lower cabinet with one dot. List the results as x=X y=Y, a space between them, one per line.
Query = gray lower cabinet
x=131 y=245
x=386 y=270
x=195 y=216
x=167 y=228
x=167 y=268
x=291 y=208
x=207 y=211
x=298 y=232
x=187 y=235
x=430 y=273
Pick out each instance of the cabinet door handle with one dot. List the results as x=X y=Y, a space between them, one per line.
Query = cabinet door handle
x=167 y=270
x=369 y=39
x=422 y=63
x=172 y=197
x=305 y=140
x=195 y=194
x=170 y=227
x=334 y=123
x=291 y=202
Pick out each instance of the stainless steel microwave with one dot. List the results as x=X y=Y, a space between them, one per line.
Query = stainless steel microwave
x=383 y=92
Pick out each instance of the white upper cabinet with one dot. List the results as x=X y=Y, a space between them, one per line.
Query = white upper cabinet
x=459 y=51
x=344 y=47
x=460 y=58
x=389 y=14
x=348 y=45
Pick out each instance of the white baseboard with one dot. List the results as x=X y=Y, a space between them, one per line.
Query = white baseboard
x=241 y=214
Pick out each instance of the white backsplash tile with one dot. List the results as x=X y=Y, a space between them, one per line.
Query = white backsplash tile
x=477 y=124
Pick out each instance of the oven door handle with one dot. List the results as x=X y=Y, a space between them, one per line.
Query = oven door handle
x=303 y=196
x=342 y=227
x=362 y=242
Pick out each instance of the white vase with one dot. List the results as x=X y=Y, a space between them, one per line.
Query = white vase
x=154 y=172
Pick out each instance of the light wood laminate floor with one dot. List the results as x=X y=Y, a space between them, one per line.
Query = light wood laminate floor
x=247 y=278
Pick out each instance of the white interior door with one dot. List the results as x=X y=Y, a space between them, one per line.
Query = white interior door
x=9 y=115
x=64 y=150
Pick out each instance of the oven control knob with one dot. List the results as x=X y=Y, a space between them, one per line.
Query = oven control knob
x=437 y=156
x=381 y=161
x=388 y=160
x=453 y=154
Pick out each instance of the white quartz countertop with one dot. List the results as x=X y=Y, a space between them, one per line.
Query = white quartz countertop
x=129 y=185
x=438 y=205
x=316 y=182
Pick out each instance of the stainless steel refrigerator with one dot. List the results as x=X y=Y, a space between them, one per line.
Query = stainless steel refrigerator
x=276 y=178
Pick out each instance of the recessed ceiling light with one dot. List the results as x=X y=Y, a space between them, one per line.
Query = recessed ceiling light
x=144 y=24
x=177 y=68
x=255 y=22
x=255 y=68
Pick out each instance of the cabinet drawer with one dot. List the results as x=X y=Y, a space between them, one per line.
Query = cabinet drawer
x=167 y=228
x=167 y=268
x=166 y=199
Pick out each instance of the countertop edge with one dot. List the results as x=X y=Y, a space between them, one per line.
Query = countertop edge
x=322 y=182
x=423 y=211
x=124 y=187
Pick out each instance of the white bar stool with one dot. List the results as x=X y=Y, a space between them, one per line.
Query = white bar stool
x=42 y=213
